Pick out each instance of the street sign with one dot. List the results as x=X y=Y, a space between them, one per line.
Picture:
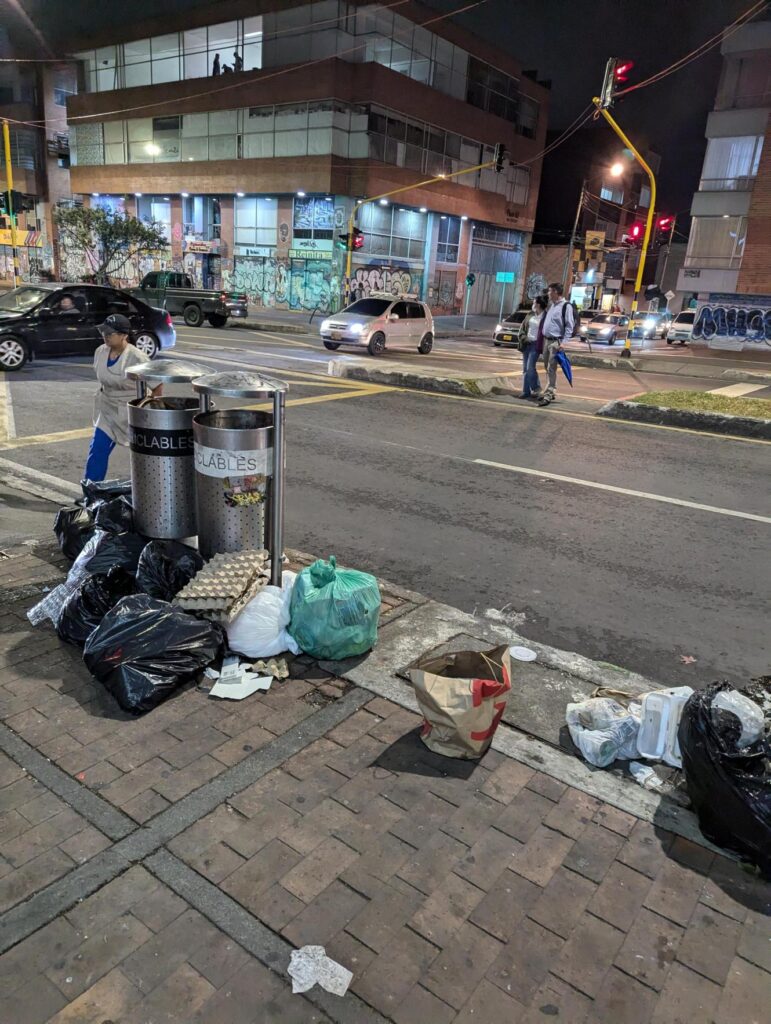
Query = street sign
x=669 y=295
x=595 y=239
x=505 y=277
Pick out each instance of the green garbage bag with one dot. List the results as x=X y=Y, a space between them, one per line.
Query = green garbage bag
x=334 y=612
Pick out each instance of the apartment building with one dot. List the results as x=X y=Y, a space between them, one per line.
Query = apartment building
x=250 y=139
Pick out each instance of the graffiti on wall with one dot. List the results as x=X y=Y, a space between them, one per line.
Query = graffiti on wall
x=725 y=324
x=74 y=266
x=536 y=285
x=394 y=281
x=299 y=284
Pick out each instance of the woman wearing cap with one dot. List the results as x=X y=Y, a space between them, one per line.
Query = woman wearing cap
x=111 y=360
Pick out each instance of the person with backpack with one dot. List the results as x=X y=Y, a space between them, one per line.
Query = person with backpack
x=558 y=326
x=531 y=345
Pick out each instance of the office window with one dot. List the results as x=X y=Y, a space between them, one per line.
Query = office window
x=645 y=197
x=731 y=163
x=520 y=188
x=138 y=62
x=393 y=231
x=448 y=240
x=611 y=194
x=716 y=242
x=256 y=220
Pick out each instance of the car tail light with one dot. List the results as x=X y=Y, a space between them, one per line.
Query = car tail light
x=169 y=322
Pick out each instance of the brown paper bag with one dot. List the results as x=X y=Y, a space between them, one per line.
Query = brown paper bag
x=463 y=697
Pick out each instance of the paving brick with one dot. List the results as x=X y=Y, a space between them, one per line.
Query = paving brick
x=525 y=961
x=111 y=998
x=547 y=786
x=675 y=892
x=219 y=959
x=34 y=954
x=588 y=954
x=745 y=997
x=473 y=818
x=306 y=762
x=353 y=727
x=350 y=760
x=505 y=905
x=442 y=914
x=124 y=789
x=367 y=828
x=327 y=915
x=489 y=1005
x=272 y=820
x=614 y=819
x=709 y=944
x=427 y=868
x=563 y=901
x=382 y=861
x=187 y=779
x=755 y=940
x=622 y=999
x=42 y=837
x=421 y=1006
x=319 y=869
x=686 y=997
x=424 y=817
x=256 y=994
x=556 y=999
x=33 y=1003
x=349 y=952
x=133 y=755
x=304 y=796
x=20 y=792
x=594 y=852
x=488 y=858
x=33 y=875
x=145 y=806
x=734 y=891
x=221 y=824
x=691 y=855
x=216 y=862
x=97 y=955
x=646 y=849
x=159 y=909
x=241 y=745
x=649 y=948
x=164 y=951
x=100 y=775
x=112 y=900
x=383 y=917
x=257 y=875
x=84 y=844
x=523 y=815
x=319 y=824
x=276 y=907
x=41 y=808
x=541 y=855
x=462 y=965
x=392 y=974
x=620 y=896
x=507 y=780
x=174 y=1000
x=363 y=788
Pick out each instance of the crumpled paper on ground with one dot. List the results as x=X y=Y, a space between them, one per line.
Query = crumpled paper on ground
x=311 y=966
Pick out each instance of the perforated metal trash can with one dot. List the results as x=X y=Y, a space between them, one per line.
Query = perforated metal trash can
x=239 y=466
x=161 y=451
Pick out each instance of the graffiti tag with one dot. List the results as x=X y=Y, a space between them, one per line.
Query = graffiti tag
x=732 y=326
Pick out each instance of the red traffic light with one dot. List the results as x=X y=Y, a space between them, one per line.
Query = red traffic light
x=621 y=73
x=665 y=223
x=358 y=238
x=636 y=231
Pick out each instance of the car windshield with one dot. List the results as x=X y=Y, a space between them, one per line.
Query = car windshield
x=368 y=307
x=647 y=316
x=516 y=318
x=605 y=318
x=685 y=318
x=586 y=314
x=22 y=299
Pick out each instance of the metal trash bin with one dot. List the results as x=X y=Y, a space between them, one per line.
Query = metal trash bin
x=161 y=451
x=239 y=466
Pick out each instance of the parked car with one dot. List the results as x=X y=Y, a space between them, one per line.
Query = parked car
x=381 y=320
x=506 y=333
x=608 y=327
x=175 y=292
x=681 y=328
x=45 y=320
x=585 y=317
x=650 y=325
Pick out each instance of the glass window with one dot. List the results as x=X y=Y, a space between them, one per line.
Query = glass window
x=195 y=53
x=291 y=143
x=195 y=149
x=291 y=115
x=257 y=146
x=252 y=43
x=223 y=122
x=731 y=162
x=136 y=56
x=612 y=195
x=448 y=240
x=223 y=40
x=645 y=197
x=223 y=147
x=106 y=69
x=165 y=58
x=521 y=185
x=195 y=125
x=716 y=242
x=313 y=217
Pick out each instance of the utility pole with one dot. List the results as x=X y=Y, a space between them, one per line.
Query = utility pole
x=567 y=273
x=11 y=210
x=666 y=254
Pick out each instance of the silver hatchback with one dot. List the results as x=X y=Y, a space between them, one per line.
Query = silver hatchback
x=381 y=320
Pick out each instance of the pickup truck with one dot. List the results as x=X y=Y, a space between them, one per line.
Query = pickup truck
x=175 y=293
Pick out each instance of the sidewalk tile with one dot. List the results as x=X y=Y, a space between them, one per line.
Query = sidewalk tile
x=675 y=892
x=218 y=958
x=573 y=813
x=216 y=862
x=524 y=814
x=366 y=828
x=594 y=852
x=85 y=844
x=241 y=745
x=253 y=878
x=442 y=914
x=687 y=996
x=33 y=1003
x=755 y=941
x=423 y=1007
x=318 y=825
x=488 y=858
x=159 y=908
x=327 y=915
x=614 y=819
x=473 y=818
x=588 y=954
x=745 y=997
x=251 y=990
x=319 y=869
x=393 y=973
x=563 y=901
x=174 y=1000
x=164 y=951
x=418 y=824
x=383 y=917
x=35 y=954
x=350 y=953
x=525 y=961
x=547 y=786
x=507 y=780
x=462 y=964
x=709 y=944
x=564 y=1003
x=691 y=855
x=97 y=955
x=112 y=900
x=649 y=948
x=384 y=858
x=506 y=903
x=247 y=836
x=427 y=868
x=489 y=1005
x=622 y=1000
x=363 y=788
x=306 y=762
x=646 y=849
x=179 y=783
x=732 y=890
x=111 y=998
x=36 y=874
x=276 y=907
x=356 y=725
x=620 y=896
x=541 y=855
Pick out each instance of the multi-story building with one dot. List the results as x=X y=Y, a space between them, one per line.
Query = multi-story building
x=251 y=138
x=729 y=249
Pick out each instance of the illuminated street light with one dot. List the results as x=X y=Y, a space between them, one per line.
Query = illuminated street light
x=301 y=195
x=384 y=202
x=423 y=209
x=240 y=194
x=617 y=170
x=185 y=195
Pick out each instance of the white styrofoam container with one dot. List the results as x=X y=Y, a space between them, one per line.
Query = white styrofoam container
x=661 y=711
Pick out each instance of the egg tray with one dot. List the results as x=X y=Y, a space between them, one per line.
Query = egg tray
x=225 y=584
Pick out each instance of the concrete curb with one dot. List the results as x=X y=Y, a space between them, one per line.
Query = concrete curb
x=474 y=386
x=276 y=328
x=716 y=423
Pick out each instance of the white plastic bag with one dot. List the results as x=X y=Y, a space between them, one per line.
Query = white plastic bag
x=746 y=710
x=603 y=730
x=260 y=630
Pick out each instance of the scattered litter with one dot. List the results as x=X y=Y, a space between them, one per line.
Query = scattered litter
x=223 y=587
x=644 y=775
x=311 y=966
x=275 y=667
x=334 y=612
x=660 y=718
x=211 y=673
x=244 y=684
x=523 y=653
x=462 y=697
x=747 y=711
x=603 y=730
x=687 y=659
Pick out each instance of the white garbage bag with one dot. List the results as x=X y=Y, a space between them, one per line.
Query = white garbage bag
x=747 y=711
x=603 y=730
x=260 y=630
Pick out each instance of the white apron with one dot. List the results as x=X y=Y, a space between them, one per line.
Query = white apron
x=115 y=391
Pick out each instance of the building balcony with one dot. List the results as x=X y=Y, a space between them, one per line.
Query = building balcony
x=741 y=184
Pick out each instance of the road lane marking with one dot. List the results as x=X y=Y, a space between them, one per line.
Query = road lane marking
x=258 y=352
x=55 y=438
x=315 y=399
x=7 y=423
x=737 y=390
x=627 y=491
x=306 y=378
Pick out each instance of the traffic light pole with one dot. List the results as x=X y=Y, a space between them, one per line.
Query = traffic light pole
x=627 y=352
x=567 y=276
x=666 y=255
x=11 y=211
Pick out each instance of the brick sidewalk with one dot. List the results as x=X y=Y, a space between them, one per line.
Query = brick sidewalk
x=162 y=868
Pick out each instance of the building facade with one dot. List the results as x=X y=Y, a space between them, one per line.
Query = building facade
x=250 y=140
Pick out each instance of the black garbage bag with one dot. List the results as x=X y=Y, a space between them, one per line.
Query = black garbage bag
x=85 y=608
x=105 y=550
x=115 y=515
x=104 y=490
x=165 y=567
x=730 y=789
x=144 y=649
x=74 y=526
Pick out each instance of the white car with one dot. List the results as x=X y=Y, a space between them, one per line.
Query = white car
x=507 y=331
x=378 y=321
x=681 y=328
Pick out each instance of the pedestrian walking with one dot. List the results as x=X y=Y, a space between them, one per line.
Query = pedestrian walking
x=238 y=61
x=215 y=67
x=558 y=326
x=111 y=360
x=531 y=344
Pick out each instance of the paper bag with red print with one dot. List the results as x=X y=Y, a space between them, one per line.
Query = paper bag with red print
x=462 y=697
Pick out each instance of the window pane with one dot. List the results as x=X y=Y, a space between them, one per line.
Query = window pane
x=256 y=146
x=105 y=69
x=223 y=147
x=246 y=212
x=166 y=70
x=196 y=58
x=195 y=125
x=114 y=153
x=140 y=129
x=223 y=122
x=291 y=143
x=291 y=115
x=259 y=119
x=195 y=149
x=319 y=140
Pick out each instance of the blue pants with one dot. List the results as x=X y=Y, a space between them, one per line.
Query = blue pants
x=99 y=455
x=531 y=381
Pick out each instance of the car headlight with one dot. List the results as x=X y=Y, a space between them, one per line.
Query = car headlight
x=324 y=325
x=356 y=328
x=498 y=327
x=650 y=323
x=583 y=329
x=606 y=330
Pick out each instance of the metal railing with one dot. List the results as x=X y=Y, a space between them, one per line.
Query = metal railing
x=740 y=184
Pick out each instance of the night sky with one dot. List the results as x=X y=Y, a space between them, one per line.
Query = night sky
x=567 y=41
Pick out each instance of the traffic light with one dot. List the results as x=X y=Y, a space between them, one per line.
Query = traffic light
x=616 y=73
x=636 y=233
x=19 y=202
x=342 y=241
x=665 y=223
x=358 y=239
x=500 y=153
x=355 y=241
x=470 y=279
x=621 y=72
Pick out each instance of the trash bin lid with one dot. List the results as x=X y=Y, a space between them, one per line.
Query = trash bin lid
x=167 y=371
x=239 y=384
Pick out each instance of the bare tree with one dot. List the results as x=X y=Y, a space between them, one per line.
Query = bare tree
x=105 y=240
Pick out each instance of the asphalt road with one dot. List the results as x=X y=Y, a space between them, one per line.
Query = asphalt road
x=630 y=544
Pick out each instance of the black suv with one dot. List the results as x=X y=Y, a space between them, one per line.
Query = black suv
x=45 y=320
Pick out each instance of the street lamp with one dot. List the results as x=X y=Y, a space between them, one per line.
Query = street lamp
x=617 y=169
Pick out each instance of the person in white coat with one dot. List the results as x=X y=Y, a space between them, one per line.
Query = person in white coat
x=111 y=360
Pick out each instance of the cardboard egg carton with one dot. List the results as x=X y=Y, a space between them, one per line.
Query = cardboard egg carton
x=224 y=585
